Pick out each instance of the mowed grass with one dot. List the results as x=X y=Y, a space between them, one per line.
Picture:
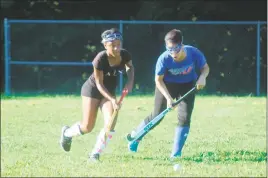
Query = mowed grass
x=227 y=138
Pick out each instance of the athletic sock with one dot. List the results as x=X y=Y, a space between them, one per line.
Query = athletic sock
x=73 y=131
x=180 y=137
x=101 y=144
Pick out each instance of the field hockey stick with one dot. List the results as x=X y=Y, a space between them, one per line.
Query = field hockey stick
x=111 y=121
x=157 y=119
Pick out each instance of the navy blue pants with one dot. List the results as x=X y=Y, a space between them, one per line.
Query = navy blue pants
x=184 y=108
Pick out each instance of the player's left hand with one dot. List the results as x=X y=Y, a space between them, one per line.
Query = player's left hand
x=201 y=83
x=129 y=87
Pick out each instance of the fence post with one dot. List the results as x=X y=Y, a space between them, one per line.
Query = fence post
x=7 y=57
x=258 y=58
x=121 y=74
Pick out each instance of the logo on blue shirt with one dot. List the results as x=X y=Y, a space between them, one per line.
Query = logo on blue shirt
x=183 y=70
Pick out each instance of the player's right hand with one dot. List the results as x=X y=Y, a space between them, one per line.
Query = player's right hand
x=169 y=103
x=116 y=106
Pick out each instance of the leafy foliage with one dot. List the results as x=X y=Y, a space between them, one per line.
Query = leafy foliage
x=230 y=49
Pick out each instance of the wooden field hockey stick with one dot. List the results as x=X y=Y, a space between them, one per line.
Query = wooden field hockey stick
x=111 y=121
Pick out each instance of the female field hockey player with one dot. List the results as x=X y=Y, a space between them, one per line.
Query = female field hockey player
x=99 y=92
x=174 y=76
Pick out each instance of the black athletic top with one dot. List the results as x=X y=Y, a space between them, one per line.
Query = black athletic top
x=101 y=62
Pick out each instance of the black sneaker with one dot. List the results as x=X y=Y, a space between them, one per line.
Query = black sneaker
x=94 y=157
x=65 y=142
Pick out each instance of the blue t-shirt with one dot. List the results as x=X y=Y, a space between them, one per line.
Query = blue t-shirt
x=180 y=72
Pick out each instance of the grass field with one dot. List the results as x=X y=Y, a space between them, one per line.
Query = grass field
x=227 y=138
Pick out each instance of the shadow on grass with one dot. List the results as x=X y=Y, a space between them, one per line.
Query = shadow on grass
x=221 y=156
x=226 y=156
x=23 y=95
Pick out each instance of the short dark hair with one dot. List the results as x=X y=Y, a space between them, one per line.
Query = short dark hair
x=110 y=31
x=175 y=36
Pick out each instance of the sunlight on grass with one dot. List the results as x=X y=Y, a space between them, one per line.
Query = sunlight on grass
x=227 y=138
